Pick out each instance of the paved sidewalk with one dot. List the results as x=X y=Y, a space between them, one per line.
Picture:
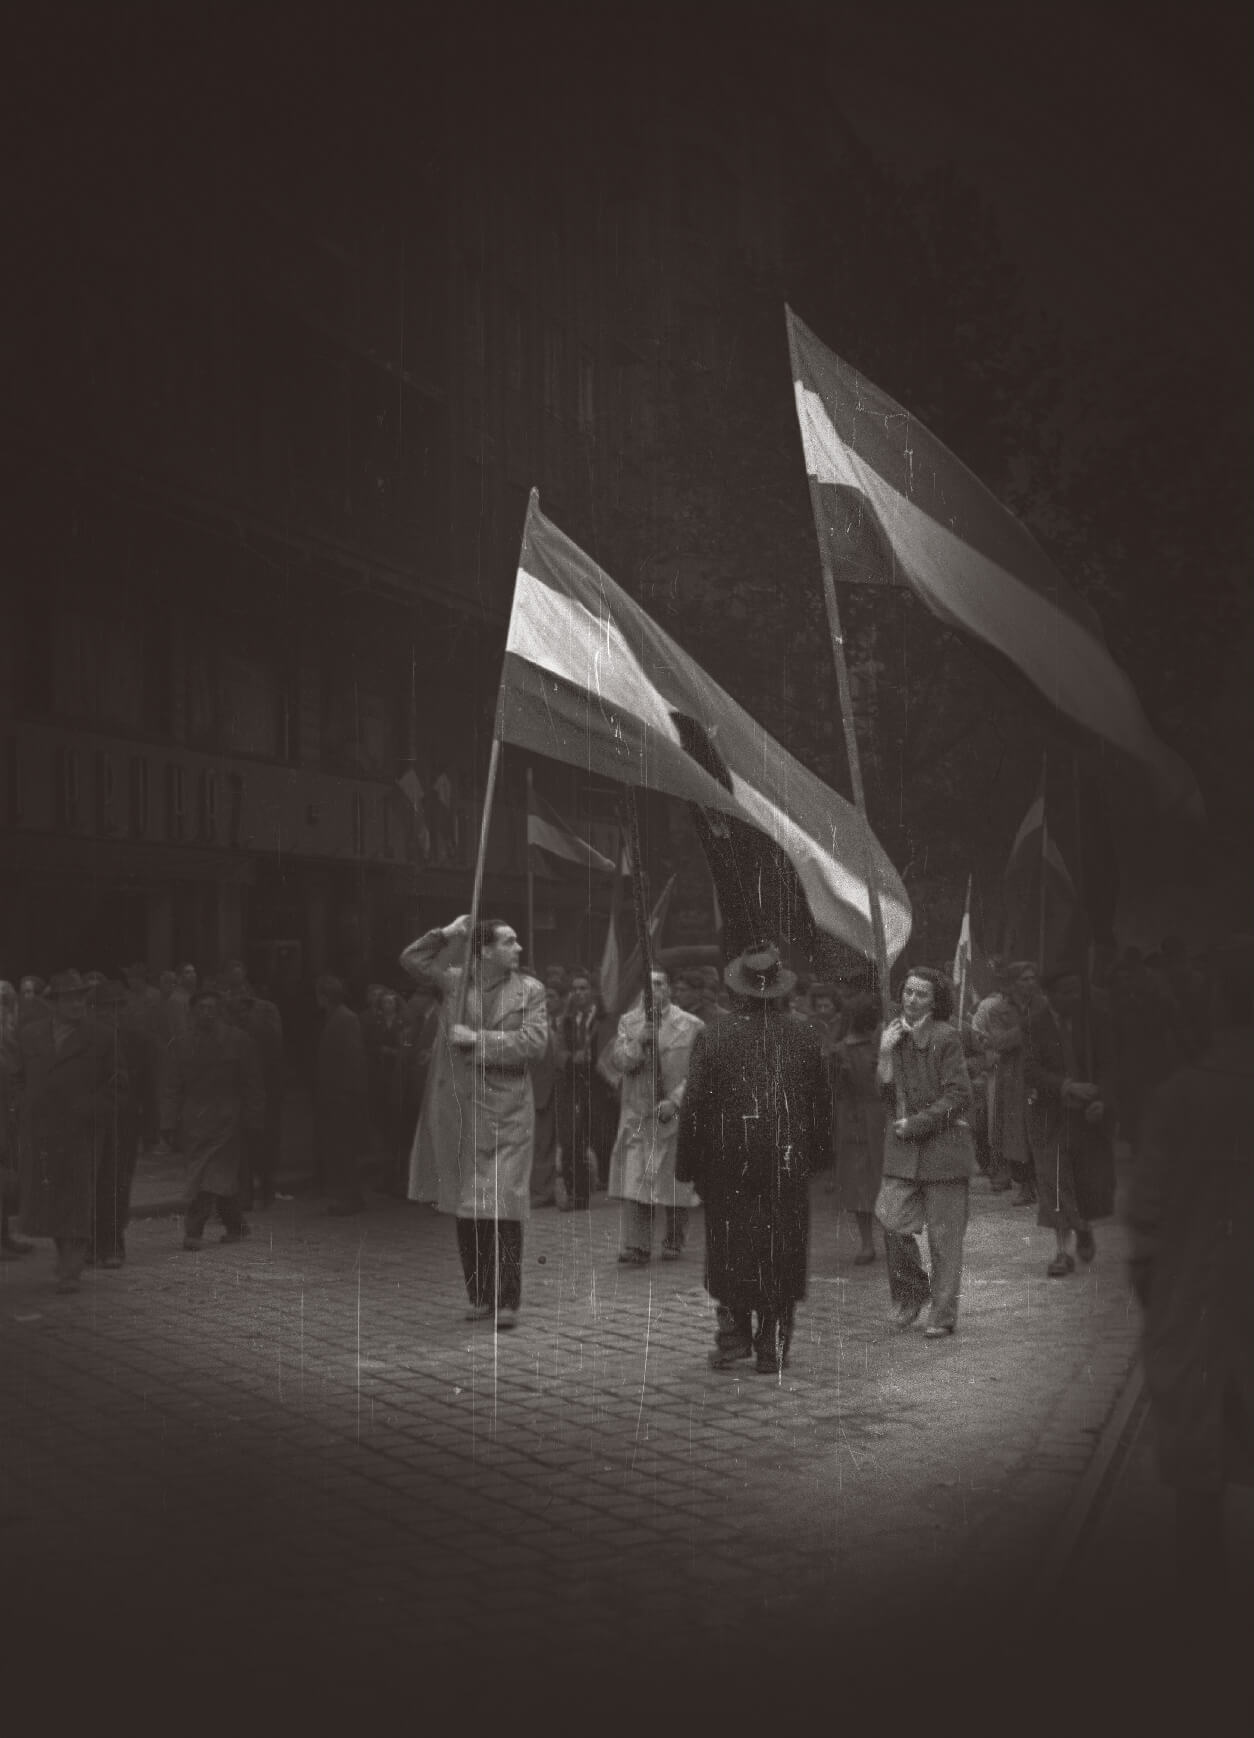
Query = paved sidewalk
x=298 y=1442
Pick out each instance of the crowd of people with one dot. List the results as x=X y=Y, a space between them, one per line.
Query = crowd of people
x=489 y=1094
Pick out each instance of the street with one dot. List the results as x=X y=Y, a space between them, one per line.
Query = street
x=296 y=1451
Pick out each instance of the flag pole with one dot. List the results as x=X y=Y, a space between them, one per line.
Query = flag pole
x=1040 y=935
x=851 y=751
x=531 y=878
x=966 y=958
x=642 y=920
x=494 y=761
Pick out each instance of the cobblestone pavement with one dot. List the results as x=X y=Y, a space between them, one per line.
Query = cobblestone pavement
x=298 y=1443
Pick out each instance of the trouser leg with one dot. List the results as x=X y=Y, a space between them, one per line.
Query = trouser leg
x=676 y=1227
x=71 y=1259
x=474 y=1271
x=637 y=1226
x=734 y=1328
x=774 y=1334
x=508 y=1263
x=946 y=1209
x=900 y=1210
x=197 y=1217
x=230 y=1214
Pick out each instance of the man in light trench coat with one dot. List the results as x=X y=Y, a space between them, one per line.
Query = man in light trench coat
x=474 y=1143
x=651 y=1056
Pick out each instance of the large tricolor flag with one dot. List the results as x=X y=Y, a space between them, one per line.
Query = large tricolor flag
x=895 y=506
x=591 y=679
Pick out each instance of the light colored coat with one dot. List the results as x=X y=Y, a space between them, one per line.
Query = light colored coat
x=642 y=1164
x=474 y=1144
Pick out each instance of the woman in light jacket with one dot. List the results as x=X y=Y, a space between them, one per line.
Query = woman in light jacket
x=929 y=1153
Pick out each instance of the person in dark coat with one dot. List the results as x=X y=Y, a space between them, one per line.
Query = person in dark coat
x=11 y=1247
x=113 y=1007
x=929 y=1155
x=544 y=1085
x=1192 y=1216
x=754 y=1122
x=859 y=1117
x=212 y=1096
x=261 y=1021
x=341 y=1101
x=578 y=1085
x=1070 y=1121
x=70 y=1080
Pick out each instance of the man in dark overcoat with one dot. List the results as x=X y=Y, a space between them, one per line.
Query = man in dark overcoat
x=1070 y=1120
x=211 y=1097
x=70 y=1082
x=578 y=1084
x=261 y=1021
x=1192 y=1216
x=136 y=1055
x=754 y=1122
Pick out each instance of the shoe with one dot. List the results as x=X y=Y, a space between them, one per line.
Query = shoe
x=633 y=1257
x=478 y=1312
x=506 y=1319
x=193 y=1243
x=671 y=1251
x=1085 y=1244
x=1061 y=1265
x=16 y=1246
x=938 y=1330
x=765 y=1365
x=725 y=1357
x=864 y=1258
x=904 y=1315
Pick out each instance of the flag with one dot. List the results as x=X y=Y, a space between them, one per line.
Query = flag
x=591 y=679
x=547 y=832
x=610 y=976
x=965 y=1001
x=630 y=976
x=895 y=506
x=1042 y=907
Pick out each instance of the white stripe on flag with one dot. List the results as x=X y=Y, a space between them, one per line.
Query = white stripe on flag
x=1058 y=654
x=559 y=635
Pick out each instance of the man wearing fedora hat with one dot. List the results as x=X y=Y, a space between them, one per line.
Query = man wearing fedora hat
x=71 y=1079
x=755 y=1121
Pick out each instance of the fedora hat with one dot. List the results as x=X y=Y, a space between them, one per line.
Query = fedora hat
x=757 y=972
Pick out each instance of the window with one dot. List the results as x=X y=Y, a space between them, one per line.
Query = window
x=98 y=668
x=360 y=708
x=237 y=690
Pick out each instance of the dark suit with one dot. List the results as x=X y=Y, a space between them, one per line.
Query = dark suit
x=70 y=1095
x=577 y=1083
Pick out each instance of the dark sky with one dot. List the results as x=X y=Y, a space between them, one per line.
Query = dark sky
x=1114 y=145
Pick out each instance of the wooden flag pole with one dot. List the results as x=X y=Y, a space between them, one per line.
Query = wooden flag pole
x=643 y=940
x=1040 y=938
x=494 y=761
x=531 y=879
x=851 y=751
